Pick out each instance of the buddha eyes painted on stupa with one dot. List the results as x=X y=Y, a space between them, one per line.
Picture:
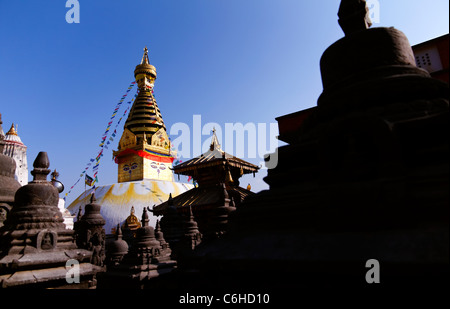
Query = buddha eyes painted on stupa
x=158 y=166
x=129 y=168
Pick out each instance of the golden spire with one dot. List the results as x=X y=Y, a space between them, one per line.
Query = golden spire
x=145 y=57
x=12 y=131
x=131 y=221
x=145 y=73
x=145 y=116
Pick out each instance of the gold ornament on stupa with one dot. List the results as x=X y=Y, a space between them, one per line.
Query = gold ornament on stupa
x=144 y=150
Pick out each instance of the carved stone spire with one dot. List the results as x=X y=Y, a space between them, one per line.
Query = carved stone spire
x=145 y=235
x=159 y=234
x=79 y=215
x=90 y=233
x=41 y=164
x=116 y=249
x=145 y=220
x=192 y=236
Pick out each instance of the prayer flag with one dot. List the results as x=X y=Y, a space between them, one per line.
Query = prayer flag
x=88 y=180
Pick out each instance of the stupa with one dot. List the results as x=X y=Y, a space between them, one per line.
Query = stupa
x=144 y=159
x=35 y=246
x=89 y=232
x=138 y=265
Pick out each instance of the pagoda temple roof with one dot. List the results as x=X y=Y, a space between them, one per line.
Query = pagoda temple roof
x=213 y=157
x=200 y=197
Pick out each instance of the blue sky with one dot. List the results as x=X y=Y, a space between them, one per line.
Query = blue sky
x=235 y=61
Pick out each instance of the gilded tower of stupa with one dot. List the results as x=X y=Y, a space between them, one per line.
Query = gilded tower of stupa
x=144 y=161
x=144 y=149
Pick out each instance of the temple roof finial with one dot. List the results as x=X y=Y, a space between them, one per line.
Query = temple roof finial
x=145 y=218
x=12 y=130
x=354 y=16
x=214 y=141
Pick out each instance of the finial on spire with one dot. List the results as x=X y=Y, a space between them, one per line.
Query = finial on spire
x=12 y=130
x=191 y=215
x=93 y=199
x=79 y=214
x=145 y=218
x=145 y=59
x=354 y=16
x=41 y=164
x=118 y=233
x=214 y=140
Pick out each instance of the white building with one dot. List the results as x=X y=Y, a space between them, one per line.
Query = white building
x=15 y=149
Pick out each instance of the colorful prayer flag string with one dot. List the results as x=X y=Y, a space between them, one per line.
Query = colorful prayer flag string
x=103 y=139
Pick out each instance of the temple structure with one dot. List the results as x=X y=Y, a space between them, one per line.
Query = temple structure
x=89 y=232
x=433 y=56
x=371 y=179
x=8 y=183
x=15 y=148
x=144 y=150
x=144 y=159
x=35 y=246
x=218 y=192
x=138 y=265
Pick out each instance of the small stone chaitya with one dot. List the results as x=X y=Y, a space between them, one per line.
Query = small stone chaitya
x=35 y=245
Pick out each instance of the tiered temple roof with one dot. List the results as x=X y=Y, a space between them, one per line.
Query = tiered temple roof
x=210 y=170
x=217 y=195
